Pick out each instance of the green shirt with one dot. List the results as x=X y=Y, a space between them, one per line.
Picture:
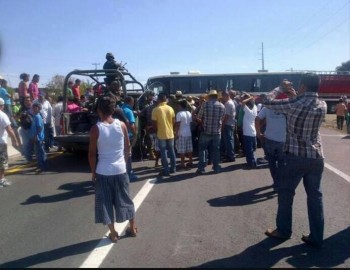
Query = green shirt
x=240 y=117
x=69 y=92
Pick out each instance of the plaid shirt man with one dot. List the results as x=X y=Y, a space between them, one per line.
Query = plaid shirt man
x=211 y=114
x=305 y=114
x=304 y=159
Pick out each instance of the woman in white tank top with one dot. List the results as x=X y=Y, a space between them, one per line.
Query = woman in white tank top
x=110 y=142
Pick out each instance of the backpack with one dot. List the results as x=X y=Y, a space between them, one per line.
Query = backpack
x=25 y=120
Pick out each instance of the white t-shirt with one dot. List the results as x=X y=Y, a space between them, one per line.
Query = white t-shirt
x=275 y=125
x=230 y=110
x=4 y=122
x=185 y=119
x=46 y=112
x=56 y=112
x=249 y=121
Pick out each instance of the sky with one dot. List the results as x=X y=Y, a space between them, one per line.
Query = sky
x=156 y=37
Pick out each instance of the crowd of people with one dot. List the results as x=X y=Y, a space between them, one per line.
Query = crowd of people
x=30 y=116
x=217 y=126
x=287 y=126
x=35 y=117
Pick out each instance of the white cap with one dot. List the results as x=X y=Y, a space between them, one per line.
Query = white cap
x=178 y=93
x=1 y=78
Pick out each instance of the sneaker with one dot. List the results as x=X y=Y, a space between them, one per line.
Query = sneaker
x=5 y=183
x=133 y=177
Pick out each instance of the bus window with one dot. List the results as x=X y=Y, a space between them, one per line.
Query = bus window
x=257 y=85
x=156 y=87
x=196 y=86
x=182 y=84
x=210 y=85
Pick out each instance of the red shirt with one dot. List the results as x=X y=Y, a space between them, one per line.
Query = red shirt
x=76 y=91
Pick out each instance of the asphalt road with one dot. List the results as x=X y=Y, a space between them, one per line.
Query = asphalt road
x=214 y=220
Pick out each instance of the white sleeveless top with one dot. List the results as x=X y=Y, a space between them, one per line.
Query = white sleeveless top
x=110 y=147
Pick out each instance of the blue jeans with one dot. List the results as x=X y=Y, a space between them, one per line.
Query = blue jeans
x=292 y=171
x=129 y=170
x=249 y=148
x=274 y=154
x=40 y=155
x=228 y=141
x=210 y=143
x=167 y=147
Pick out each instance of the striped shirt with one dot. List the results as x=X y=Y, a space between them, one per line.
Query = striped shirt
x=304 y=114
x=212 y=113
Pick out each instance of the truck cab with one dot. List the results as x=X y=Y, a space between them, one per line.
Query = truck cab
x=76 y=126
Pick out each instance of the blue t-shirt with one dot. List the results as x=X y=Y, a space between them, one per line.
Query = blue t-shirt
x=5 y=96
x=38 y=123
x=129 y=114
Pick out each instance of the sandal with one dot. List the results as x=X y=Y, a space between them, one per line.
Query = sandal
x=115 y=238
x=129 y=233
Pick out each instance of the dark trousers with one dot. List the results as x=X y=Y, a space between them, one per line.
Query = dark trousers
x=48 y=133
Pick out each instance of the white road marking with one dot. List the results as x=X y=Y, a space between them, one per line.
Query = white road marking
x=338 y=172
x=335 y=135
x=96 y=257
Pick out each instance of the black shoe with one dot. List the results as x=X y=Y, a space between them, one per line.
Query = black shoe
x=306 y=239
x=274 y=233
x=200 y=171
x=229 y=160
x=163 y=174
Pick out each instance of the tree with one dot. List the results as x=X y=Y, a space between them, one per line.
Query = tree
x=55 y=86
x=345 y=66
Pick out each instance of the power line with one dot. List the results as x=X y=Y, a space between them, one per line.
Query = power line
x=296 y=39
x=307 y=46
x=296 y=32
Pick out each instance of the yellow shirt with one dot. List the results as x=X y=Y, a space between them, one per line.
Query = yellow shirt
x=165 y=117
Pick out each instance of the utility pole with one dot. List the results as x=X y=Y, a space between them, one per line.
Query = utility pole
x=262 y=59
x=95 y=64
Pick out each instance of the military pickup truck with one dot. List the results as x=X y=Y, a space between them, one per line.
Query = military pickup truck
x=76 y=126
